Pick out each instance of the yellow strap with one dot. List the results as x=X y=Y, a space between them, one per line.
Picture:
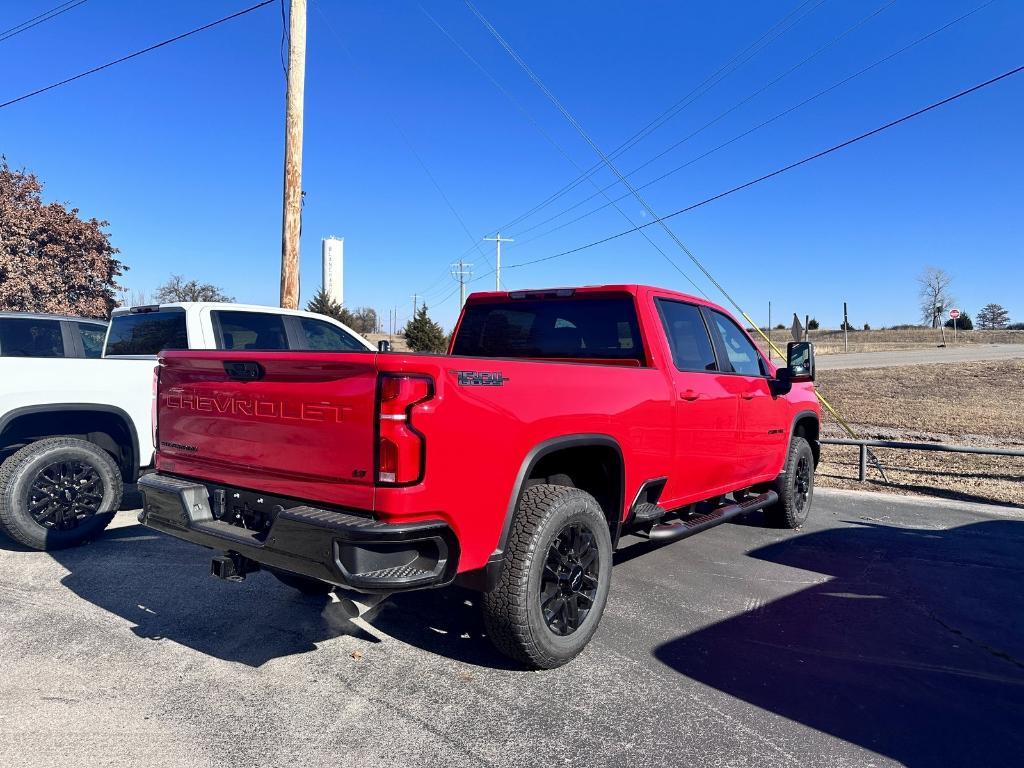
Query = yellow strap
x=826 y=403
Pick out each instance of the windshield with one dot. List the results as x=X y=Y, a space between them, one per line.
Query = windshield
x=571 y=327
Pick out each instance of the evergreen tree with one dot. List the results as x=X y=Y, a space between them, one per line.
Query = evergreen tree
x=424 y=335
x=323 y=304
x=993 y=316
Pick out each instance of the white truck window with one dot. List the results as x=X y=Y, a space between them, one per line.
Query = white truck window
x=30 y=337
x=250 y=330
x=147 y=333
x=329 y=338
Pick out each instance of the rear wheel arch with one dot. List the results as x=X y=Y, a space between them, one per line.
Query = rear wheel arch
x=592 y=462
x=107 y=426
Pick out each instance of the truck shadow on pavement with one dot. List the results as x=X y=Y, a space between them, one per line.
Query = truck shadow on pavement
x=914 y=649
x=163 y=588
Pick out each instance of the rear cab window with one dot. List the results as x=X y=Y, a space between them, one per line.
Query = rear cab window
x=147 y=333
x=30 y=337
x=574 y=327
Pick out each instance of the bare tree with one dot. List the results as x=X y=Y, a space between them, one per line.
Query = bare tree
x=936 y=298
x=177 y=289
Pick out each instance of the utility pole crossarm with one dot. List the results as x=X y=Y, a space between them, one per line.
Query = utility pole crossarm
x=498 y=240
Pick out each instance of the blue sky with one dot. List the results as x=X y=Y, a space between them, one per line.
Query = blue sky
x=181 y=149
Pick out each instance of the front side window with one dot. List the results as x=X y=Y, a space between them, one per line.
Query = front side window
x=28 y=337
x=147 y=333
x=741 y=352
x=687 y=336
x=251 y=330
x=92 y=338
x=323 y=336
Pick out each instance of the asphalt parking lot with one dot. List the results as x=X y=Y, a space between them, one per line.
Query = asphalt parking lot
x=885 y=632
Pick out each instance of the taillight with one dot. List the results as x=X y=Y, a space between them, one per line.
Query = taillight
x=400 y=448
x=156 y=389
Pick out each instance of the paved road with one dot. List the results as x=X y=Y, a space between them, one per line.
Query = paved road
x=885 y=632
x=966 y=353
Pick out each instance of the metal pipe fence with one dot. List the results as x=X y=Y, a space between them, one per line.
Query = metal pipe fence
x=864 y=445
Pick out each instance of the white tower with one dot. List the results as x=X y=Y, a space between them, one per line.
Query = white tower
x=333 y=249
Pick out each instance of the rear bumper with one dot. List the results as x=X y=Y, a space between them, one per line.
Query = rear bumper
x=335 y=547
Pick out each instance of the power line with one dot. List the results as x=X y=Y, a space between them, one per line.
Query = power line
x=739 y=136
x=174 y=39
x=604 y=158
x=750 y=97
x=560 y=149
x=784 y=169
x=752 y=50
x=35 y=21
x=408 y=143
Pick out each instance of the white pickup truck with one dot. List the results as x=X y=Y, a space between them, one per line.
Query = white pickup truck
x=73 y=431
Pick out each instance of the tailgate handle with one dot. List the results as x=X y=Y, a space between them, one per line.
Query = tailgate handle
x=243 y=371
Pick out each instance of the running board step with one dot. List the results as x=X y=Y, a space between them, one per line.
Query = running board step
x=648 y=513
x=723 y=514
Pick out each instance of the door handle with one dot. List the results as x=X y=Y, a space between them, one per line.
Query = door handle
x=748 y=395
x=689 y=395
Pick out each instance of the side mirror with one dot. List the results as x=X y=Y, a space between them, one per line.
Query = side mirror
x=800 y=361
x=383 y=345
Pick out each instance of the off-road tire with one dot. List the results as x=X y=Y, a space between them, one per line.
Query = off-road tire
x=22 y=469
x=795 y=487
x=303 y=584
x=513 y=616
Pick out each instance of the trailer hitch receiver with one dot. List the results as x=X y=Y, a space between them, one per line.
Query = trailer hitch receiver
x=232 y=566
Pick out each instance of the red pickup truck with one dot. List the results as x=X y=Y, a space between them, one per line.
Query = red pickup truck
x=559 y=421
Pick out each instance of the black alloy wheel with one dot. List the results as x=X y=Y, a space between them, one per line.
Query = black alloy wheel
x=65 y=494
x=802 y=483
x=568 y=588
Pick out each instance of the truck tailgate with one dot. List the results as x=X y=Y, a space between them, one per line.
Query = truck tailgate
x=291 y=424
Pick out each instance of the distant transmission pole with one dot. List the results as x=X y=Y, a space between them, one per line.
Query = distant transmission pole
x=498 y=240
x=415 y=305
x=460 y=271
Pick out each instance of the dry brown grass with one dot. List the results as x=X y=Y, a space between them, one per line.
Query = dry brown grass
x=831 y=342
x=978 y=404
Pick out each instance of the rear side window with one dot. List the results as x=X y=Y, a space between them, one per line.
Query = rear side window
x=741 y=352
x=323 y=336
x=147 y=333
x=28 y=337
x=587 y=328
x=250 y=330
x=687 y=336
x=92 y=338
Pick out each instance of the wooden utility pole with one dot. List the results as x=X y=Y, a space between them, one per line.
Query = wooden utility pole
x=291 y=226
